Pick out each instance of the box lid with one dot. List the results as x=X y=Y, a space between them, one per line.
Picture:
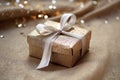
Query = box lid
x=64 y=45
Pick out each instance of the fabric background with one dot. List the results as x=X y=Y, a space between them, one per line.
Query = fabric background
x=101 y=63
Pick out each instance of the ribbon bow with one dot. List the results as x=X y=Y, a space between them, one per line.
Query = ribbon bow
x=66 y=23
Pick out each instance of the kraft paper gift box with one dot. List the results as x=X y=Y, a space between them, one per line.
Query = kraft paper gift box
x=66 y=50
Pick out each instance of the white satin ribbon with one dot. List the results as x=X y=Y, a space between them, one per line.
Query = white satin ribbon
x=53 y=32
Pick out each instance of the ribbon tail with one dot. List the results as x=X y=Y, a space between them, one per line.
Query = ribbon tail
x=83 y=46
x=47 y=52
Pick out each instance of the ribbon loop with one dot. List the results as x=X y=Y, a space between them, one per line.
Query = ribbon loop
x=70 y=18
x=45 y=30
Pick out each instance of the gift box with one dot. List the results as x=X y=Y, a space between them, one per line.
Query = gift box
x=66 y=50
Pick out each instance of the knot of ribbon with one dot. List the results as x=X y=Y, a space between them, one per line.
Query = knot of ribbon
x=66 y=23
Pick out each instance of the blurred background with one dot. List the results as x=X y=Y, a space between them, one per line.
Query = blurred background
x=19 y=17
